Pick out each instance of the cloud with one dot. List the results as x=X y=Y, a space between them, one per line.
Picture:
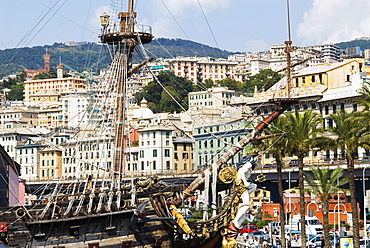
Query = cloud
x=331 y=21
x=255 y=45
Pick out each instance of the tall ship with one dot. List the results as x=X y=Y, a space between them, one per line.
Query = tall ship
x=115 y=209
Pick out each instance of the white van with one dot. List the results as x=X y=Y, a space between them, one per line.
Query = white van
x=313 y=225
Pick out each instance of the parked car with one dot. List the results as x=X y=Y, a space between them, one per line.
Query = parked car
x=248 y=228
x=334 y=239
x=362 y=243
x=259 y=234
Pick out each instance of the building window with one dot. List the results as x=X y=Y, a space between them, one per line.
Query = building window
x=175 y=155
x=175 y=147
x=168 y=165
x=166 y=152
x=326 y=109
x=342 y=106
x=141 y=153
x=185 y=156
x=155 y=153
x=154 y=165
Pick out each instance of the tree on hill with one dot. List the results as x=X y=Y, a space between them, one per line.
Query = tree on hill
x=46 y=75
x=16 y=93
x=159 y=100
x=263 y=80
x=15 y=85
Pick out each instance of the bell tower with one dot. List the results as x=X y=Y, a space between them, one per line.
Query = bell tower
x=47 y=62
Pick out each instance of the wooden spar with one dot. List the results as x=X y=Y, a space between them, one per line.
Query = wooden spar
x=297 y=63
x=284 y=104
x=136 y=68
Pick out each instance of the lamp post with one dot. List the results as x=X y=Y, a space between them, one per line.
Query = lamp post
x=317 y=206
x=364 y=192
x=290 y=215
x=345 y=212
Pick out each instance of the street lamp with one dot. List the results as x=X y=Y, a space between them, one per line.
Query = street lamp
x=345 y=212
x=364 y=192
x=317 y=206
x=290 y=214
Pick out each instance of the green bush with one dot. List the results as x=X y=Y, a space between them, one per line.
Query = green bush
x=261 y=224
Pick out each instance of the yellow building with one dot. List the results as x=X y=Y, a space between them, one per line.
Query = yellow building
x=325 y=89
x=51 y=164
x=58 y=85
x=260 y=196
x=182 y=154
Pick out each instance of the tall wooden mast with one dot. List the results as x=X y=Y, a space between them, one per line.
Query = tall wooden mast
x=123 y=39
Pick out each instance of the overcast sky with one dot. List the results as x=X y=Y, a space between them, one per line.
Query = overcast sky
x=233 y=25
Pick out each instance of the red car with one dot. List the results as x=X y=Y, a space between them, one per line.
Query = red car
x=248 y=228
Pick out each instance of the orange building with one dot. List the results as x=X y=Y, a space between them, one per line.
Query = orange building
x=270 y=211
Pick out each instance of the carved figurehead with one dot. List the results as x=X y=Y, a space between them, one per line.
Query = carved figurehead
x=244 y=189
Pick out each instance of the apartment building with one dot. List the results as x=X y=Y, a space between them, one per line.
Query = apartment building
x=213 y=98
x=90 y=156
x=155 y=150
x=74 y=107
x=19 y=114
x=57 y=85
x=28 y=156
x=212 y=141
x=182 y=154
x=200 y=69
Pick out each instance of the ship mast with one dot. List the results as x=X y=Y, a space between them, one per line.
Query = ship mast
x=288 y=50
x=122 y=38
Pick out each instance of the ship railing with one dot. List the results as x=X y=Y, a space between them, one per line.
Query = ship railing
x=139 y=28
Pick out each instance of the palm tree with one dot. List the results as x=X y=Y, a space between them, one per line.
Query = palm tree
x=365 y=92
x=351 y=131
x=323 y=184
x=277 y=147
x=302 y=131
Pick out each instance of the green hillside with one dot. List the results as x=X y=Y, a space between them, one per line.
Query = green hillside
x=92 y=56
x=363 y=44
